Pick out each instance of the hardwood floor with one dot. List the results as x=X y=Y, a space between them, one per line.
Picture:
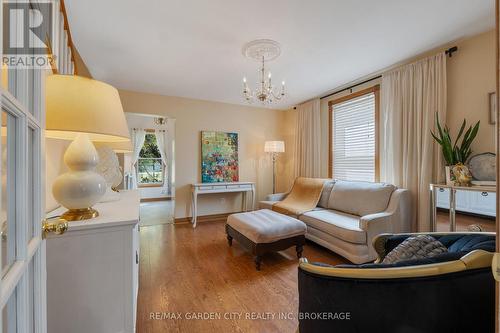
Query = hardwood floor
x=157 y=212
x=463 y=221
x=190 y=272
x=185 y=271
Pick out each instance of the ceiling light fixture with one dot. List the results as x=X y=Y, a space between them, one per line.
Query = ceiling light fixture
x=263 y=50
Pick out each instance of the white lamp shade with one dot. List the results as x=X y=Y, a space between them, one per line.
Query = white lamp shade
x=77 y=104
x=274 y=146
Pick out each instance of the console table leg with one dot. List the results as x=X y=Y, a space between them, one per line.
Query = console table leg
x=195 y=209
x=453 y=225
x=253 y=198
x=229 y=240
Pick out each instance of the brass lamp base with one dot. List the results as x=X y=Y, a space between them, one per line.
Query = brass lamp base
x=80 y=214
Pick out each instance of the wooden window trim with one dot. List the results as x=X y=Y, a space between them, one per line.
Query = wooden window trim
x=376 y=90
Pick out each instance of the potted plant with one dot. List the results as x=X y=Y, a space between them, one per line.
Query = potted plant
x=454 y=153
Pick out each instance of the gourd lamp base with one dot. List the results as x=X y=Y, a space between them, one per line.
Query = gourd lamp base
x=80 y=187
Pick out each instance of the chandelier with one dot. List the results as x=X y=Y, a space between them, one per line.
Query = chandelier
x=263 y=50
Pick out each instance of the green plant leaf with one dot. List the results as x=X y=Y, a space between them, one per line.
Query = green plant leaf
x=460 y=132
x=436 y=138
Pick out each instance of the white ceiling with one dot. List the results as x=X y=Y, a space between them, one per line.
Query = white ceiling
x=192 y=48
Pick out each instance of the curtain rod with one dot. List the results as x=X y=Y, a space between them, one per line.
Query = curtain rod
x=350 y=87
x=448 y=52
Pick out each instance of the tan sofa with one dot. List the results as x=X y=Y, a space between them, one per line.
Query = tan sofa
x=351 y=213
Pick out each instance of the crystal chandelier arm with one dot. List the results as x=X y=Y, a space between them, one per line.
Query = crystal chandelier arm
x=265 y=91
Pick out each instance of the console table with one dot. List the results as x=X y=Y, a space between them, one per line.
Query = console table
x=209 y=188
x=484 y=195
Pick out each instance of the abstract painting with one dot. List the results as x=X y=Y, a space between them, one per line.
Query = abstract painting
x=219 y=157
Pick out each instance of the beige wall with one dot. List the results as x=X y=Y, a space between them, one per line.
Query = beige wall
x=254 y=126
x=80 y=65
x=471 y=76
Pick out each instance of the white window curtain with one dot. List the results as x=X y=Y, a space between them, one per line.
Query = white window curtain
x=411 y=96
x=160 y=142
x=307 y=153
x=138 y=138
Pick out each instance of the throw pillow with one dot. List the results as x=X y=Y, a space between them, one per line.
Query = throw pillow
x=417 y=247
x=325 y=194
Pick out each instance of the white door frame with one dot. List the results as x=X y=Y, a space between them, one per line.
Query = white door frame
x=29 y=287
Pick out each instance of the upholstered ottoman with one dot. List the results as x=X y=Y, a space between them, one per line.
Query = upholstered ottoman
x=264 y=231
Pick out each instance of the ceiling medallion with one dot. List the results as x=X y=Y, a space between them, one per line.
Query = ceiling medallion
x=263 y=50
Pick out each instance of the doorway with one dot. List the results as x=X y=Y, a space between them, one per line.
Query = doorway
x=150 y=167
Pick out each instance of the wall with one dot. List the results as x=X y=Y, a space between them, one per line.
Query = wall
x=254 y=125
x=80 y=65
x=147 y=122
x=285 y=163
x=471 y=76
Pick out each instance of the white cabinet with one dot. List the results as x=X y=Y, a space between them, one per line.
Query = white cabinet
x=92 y=271
x=476 y=202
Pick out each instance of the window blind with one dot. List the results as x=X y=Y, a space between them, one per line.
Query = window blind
x=354 y=139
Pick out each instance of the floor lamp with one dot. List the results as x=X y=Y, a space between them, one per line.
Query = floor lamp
x=274 y=148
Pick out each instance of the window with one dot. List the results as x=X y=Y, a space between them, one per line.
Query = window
x=353 y=139
x=150 y=164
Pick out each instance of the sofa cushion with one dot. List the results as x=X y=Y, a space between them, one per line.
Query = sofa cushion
x=360 y=198
x=266 y=226
x=443 y=257
x=418 y=247
x=325 y=194
x=455 y=242
x=341 y=225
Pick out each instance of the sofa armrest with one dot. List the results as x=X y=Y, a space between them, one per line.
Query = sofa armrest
x=401 y=207
x=374 y=225
x=369 y=220
x=276 y=196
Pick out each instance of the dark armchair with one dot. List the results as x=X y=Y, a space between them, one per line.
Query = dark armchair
x=452 y=292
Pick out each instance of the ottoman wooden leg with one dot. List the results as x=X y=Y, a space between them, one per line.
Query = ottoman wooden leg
x=257 y=260
x=299 y=249
x=229 y=240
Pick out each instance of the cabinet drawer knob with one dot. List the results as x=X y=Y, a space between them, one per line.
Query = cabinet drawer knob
x=484 y=194
x=136 y=257
x=441 y=190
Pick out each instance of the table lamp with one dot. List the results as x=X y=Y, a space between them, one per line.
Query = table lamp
x=122 y=147
x=82 y=109
x=274 y=148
